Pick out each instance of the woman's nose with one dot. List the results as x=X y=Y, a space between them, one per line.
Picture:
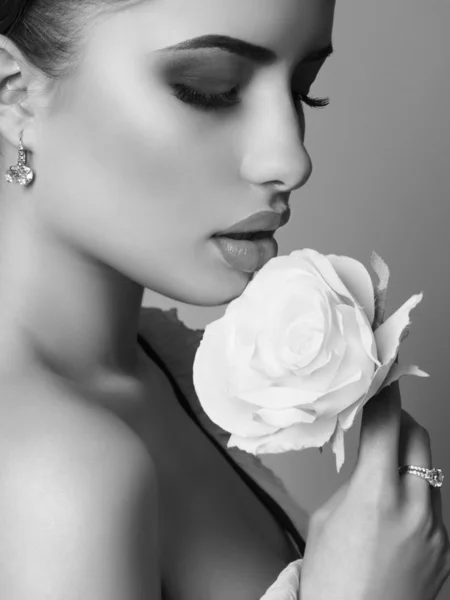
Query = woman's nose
x=274 y=149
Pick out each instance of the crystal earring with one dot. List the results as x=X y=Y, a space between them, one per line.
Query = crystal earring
x=20 y=173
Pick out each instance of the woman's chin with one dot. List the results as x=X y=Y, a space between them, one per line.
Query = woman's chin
x=216 y=289
x=201 y=277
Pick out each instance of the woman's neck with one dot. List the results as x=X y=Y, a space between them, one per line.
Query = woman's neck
x=64 y=309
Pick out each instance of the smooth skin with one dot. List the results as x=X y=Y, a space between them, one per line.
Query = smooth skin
x=131 y=182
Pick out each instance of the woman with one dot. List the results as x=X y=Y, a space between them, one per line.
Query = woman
x=132 y=133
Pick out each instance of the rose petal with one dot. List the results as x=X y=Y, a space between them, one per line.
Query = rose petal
x=333 y=345
x=285 y=417
x=325 y=369
x=335 y=401
x=337 y=446
x=211 y=385
x=296 y=437
x=347 y=416
x=324 y=267
x=244 y=377
x=357 y=280
x=380 y=375
x=388 y=334
x=320 y=380
x=291 y=306
x=367 y=336
x=398 y=371
x=280 y=397
x=355 y=359
x=303 y=340
x=382 y=271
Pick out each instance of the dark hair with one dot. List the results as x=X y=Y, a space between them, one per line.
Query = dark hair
x=50 y=32
x=10 y=13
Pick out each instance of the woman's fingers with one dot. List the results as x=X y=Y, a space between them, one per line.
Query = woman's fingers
x=436 y=505
x=415 y=449
x=379 y=438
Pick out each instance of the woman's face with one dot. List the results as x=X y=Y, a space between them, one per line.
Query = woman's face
x=141 y=179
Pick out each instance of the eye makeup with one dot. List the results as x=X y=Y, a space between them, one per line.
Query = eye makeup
x=213 y=65
x=211 y=79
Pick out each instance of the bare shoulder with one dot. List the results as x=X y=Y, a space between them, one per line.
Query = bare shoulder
x=78 y=501
x=38 y=410
x=46 y=425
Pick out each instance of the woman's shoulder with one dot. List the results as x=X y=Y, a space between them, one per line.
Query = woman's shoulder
x=74 y=483
x=41 y=419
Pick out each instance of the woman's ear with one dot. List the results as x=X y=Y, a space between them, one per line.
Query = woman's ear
x=17 y=80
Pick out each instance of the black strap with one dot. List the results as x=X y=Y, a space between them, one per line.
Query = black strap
x=265 y=498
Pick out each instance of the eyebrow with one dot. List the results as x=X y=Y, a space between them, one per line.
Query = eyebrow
x=258 y=54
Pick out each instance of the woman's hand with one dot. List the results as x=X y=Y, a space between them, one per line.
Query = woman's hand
x=381 y=536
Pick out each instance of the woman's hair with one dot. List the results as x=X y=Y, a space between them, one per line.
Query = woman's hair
x=50 y=32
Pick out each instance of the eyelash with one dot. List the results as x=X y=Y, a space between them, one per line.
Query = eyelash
x=226 y=100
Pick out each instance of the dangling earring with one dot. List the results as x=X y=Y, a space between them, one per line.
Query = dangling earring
x=20 y=173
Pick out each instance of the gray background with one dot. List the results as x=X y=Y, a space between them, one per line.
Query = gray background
x=381 y=181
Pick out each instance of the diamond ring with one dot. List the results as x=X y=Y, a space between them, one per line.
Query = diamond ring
x=434 y=476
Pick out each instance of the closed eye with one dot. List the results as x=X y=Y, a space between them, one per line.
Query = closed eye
x=231 y=98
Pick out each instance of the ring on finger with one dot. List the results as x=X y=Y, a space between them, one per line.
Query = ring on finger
x=434 y=476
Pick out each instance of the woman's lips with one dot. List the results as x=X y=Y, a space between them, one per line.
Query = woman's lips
x=247 y=255
x=267 y=220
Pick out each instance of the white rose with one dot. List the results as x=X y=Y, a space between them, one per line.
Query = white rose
x=294 y=358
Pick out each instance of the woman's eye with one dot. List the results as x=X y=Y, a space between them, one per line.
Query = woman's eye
x=206 y=101
x=230 y=99
x=311 y=101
